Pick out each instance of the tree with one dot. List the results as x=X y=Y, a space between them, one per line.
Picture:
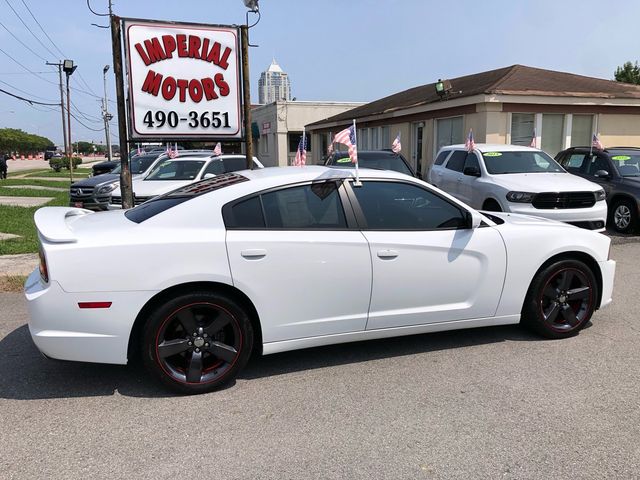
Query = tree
x=628 y=73
x=14 y=140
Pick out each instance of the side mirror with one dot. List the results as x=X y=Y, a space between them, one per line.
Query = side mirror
x=601 y=174
x=471 y=171
x=208 y=175
x=474 y=219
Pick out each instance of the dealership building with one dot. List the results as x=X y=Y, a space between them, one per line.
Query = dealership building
x=503 y=106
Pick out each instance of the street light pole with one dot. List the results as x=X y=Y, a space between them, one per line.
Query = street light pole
x=252 y=7
x=105 y=112
x=69 y=68
x=64 y=128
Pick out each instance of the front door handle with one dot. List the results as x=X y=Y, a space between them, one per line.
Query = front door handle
x=387 y=254
x=254 y=254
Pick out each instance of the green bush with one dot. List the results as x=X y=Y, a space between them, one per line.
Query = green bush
x=63 y=162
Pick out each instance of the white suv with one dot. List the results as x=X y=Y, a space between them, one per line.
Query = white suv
x=516 y=179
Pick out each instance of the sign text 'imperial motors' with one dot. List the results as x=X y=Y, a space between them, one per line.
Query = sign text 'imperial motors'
x=184 y=80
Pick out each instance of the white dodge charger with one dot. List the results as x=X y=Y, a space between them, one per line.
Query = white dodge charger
x=287 y=258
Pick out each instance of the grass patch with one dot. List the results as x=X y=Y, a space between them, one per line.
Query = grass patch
x=24 y=192
x=12 y=283
x=40 y=183
x=26 y=172
x=62 y=174
x=19 y=221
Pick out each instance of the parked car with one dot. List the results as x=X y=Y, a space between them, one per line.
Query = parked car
x=101 y=168
x=186 y=168
x=516 y=179
x=379 y=159
x=94 y=193
x=617 y=171
x=279 y=259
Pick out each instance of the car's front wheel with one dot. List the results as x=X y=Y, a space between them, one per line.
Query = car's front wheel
x=561 y=299
x=624 y=216
x=196 y=342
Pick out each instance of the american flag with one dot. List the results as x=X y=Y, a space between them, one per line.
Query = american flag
x=217 y=150
x=596 y=143
x=396 y=146
x=348 y=137
x=301 y=153
x=533 y=140
x=470 y=144
x=173 y=152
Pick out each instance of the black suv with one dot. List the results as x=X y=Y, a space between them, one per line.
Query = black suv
x=617 y=170
x=379 y=159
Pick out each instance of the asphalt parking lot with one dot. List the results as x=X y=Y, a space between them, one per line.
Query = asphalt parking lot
x=486 y=403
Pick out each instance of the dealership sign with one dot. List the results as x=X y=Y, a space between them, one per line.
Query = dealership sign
x=184 y=81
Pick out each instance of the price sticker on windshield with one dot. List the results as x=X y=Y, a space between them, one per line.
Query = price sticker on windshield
x=621 y=158
x=492 y=154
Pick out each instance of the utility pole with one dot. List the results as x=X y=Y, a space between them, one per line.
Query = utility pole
x=64 y=127
x=68 y=67
x=105 y=112
x=125 y=172
x=246 y=92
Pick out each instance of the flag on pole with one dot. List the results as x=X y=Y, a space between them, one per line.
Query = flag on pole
x=173 y=152
x=470 y=144
x=596 y=143
x=301 y=153
x=396 y=146
x=533 y=140
x=348 y=137
x=217 y=151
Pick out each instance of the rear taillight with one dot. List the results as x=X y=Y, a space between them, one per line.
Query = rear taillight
x=44 y=271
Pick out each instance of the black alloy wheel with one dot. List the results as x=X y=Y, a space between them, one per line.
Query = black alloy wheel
x=197 y=342
x=624 y=216
x=561 y=299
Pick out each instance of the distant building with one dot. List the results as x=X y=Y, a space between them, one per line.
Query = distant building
x=274 y=85
x=277 y=128
x=506 y=105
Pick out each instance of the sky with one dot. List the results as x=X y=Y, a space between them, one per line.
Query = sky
x=333 y=50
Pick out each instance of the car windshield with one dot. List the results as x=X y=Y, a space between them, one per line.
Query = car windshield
x=380 y=161
x=176 y=170
x=138 y=165
x=627 y=163
x=520 y=162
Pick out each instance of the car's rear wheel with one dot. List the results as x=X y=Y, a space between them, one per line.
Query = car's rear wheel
x=624 y=216
x=490 y=205
x=561 y=299
x=197 y=342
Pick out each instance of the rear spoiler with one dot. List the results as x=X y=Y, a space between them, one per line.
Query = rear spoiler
x=52 y=225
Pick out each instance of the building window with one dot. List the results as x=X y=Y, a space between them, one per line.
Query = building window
x=363 y=139
x=294 y=141
x=522 y=126
x=581 y=130
x=552 y=133
x=385 y=138
x=264 y=143
x=449 y=131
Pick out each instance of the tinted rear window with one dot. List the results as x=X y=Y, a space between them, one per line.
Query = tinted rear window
x=441 y=156
x=164 y=202
x=378 y=160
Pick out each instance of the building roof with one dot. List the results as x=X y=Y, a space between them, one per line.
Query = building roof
x=513 y=80
x=274 y=67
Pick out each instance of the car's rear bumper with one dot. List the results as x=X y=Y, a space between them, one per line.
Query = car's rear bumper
x=608 y=270
x=593 y=218
x=64 y=331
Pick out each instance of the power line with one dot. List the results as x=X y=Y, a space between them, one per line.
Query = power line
x=28 y=100
x=86 y=126
x=23 y=91
x=22 y=43
x=27 y=27
x=25 y=73
x=27 y=69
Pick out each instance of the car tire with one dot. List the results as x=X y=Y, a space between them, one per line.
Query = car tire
x=197 y=342
x=561 y=299
x=624 y=216
x=490 y=205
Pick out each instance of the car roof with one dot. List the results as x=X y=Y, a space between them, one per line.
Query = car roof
x=285 y=175
x=493 y=147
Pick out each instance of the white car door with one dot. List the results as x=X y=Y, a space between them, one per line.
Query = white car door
x=305 y=271
x=468 y=185
x=451 y=175
x=427 y=268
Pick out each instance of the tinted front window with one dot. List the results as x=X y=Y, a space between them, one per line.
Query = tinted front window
x=627 y=163
x=472 y=161
x=401 y=206
x=520 y=162
x=176 y=170
x=456 y=161
x=304 y=207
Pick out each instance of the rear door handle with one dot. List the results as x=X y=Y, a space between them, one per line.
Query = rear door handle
x=254 y=254
x=387 y=254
